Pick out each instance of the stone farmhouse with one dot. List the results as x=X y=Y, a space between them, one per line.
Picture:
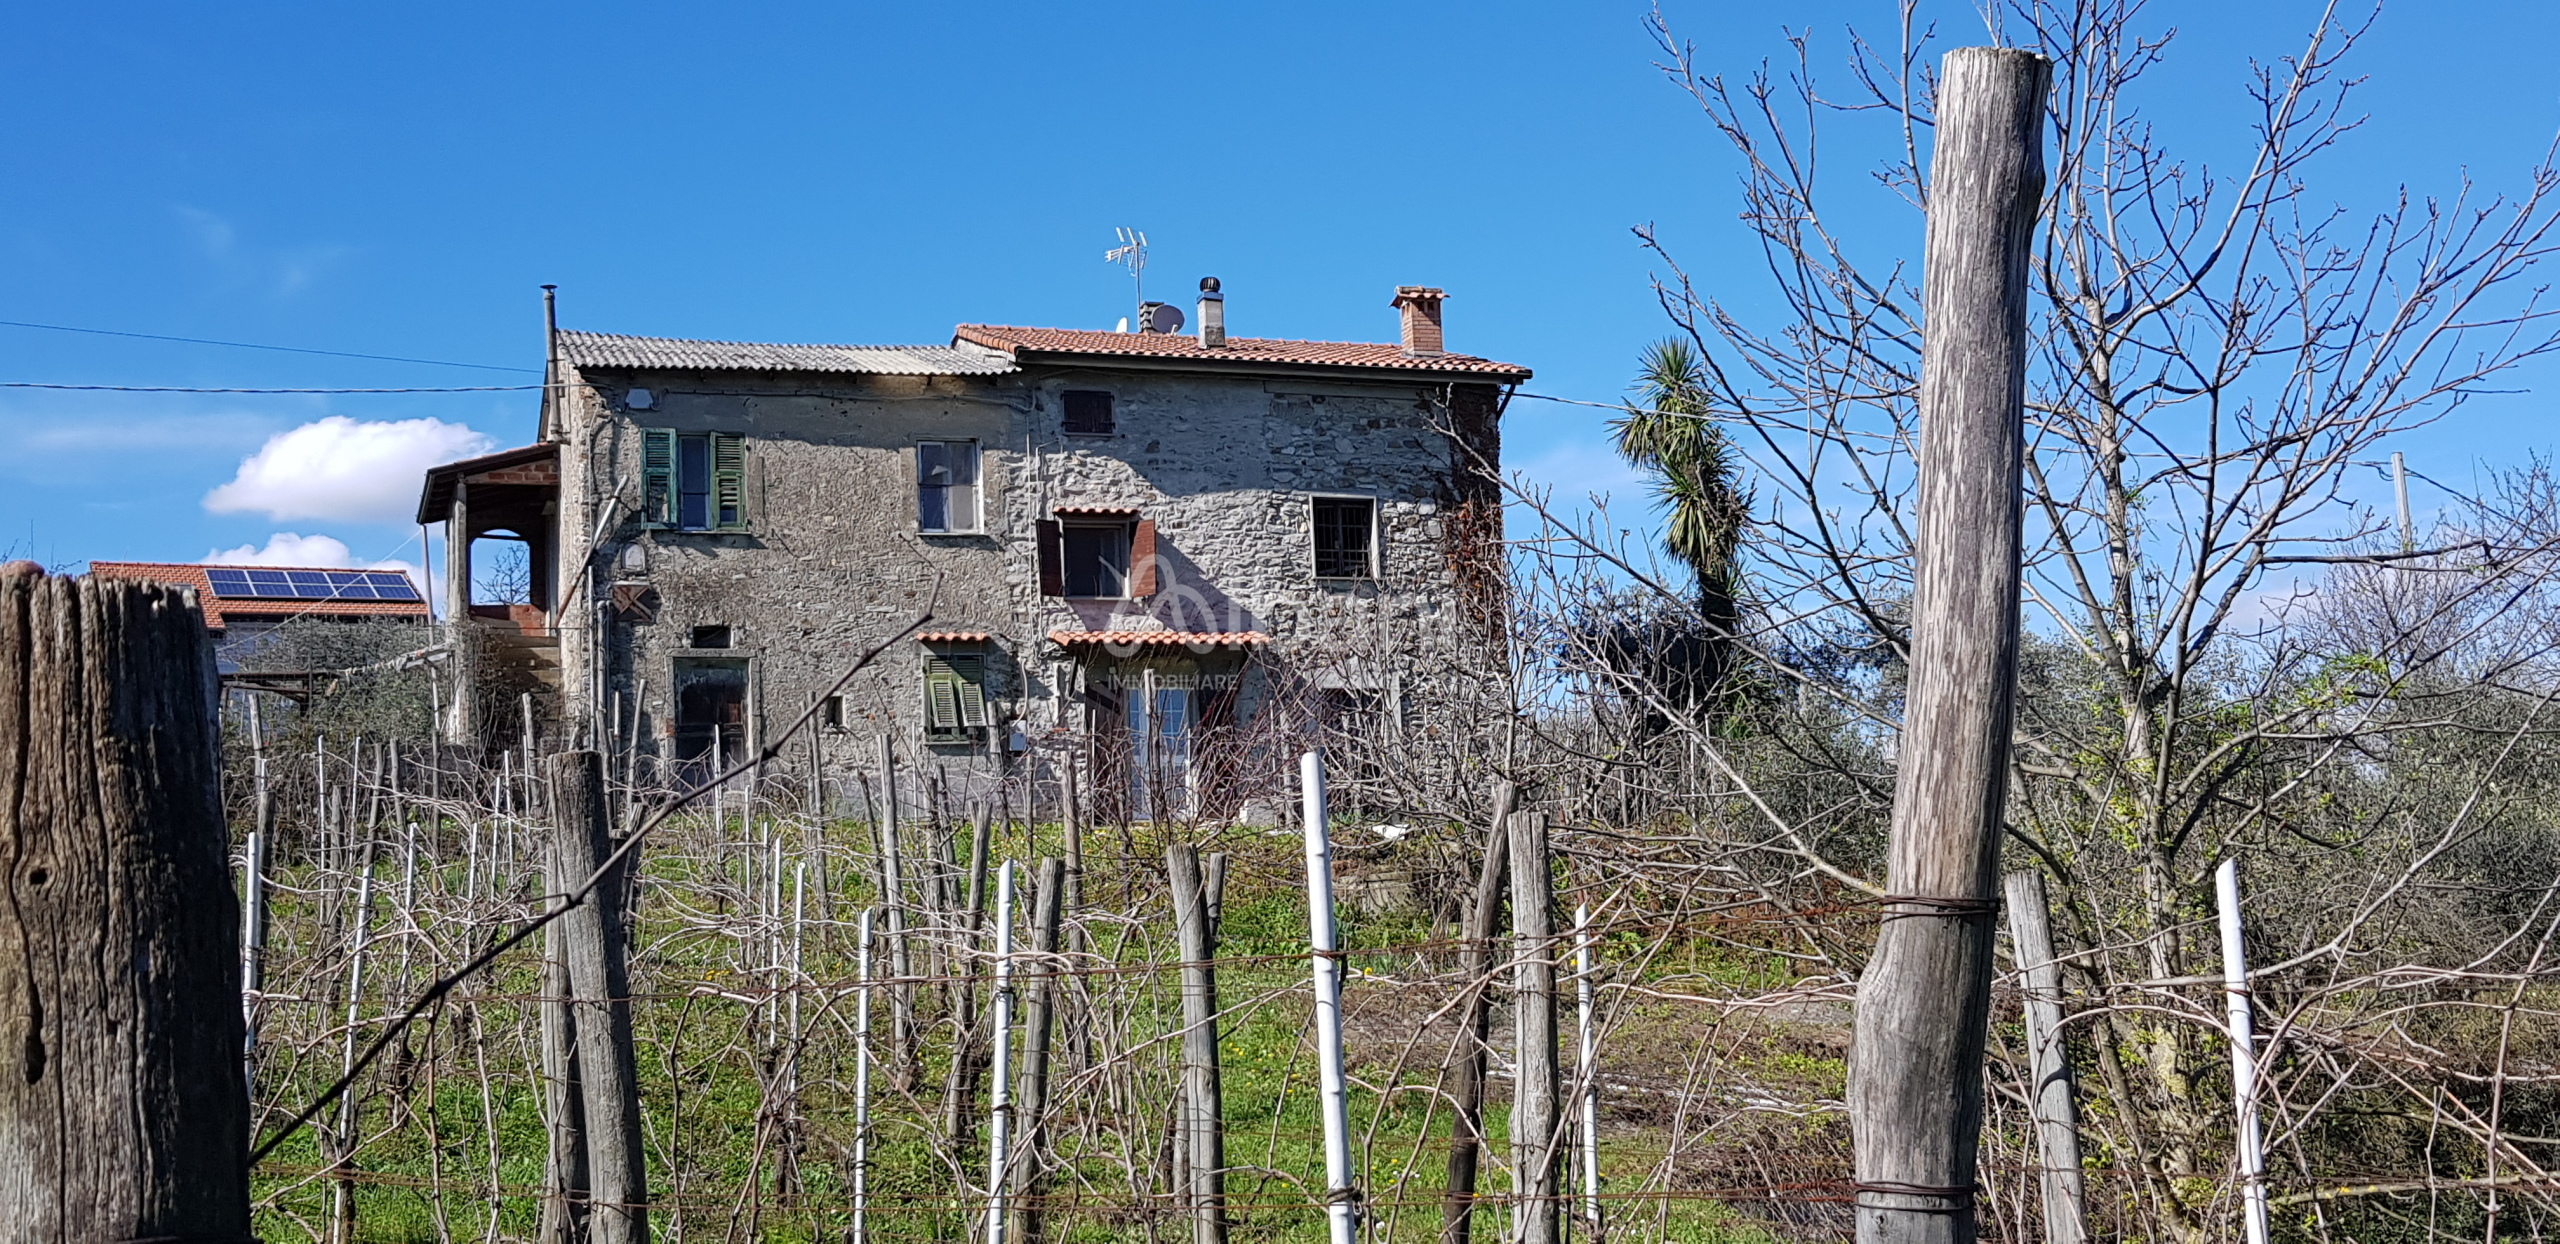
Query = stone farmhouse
x=1146 y=553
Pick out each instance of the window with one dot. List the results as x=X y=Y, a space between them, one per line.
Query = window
x=1346 y=537
x=947 y=486
x=955 y=697
x=1098 y=561
x=831 y=713
x=693 y=481
x=1159 y=750
x=1088 y=412
x=711 y=637
x=711 y=717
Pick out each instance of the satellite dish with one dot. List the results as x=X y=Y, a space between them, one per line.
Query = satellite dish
x=1159 y=317
x=640 y=399
x=1124 y=325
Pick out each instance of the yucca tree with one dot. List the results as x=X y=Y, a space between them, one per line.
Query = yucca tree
x=1697 y=476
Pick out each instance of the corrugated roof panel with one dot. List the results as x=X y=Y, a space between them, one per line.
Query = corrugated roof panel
x=584 y=349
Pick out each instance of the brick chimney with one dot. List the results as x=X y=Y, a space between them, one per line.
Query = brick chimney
x=1421 y=307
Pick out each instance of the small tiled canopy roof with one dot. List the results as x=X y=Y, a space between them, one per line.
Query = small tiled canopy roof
x=1244 y=353
x=1159 y=639
x=215 y=606
x=953 y=637
x=435 y=501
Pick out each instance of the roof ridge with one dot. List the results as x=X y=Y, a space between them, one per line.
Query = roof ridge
x=731 y=341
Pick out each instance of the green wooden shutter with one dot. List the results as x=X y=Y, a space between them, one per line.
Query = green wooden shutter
x=729 y=479
x=657 y=476
x=970 y=675
x=941 y=696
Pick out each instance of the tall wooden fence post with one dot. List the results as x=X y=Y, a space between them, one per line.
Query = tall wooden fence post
x=893 y=919
x=1473 y=1047
x=1536 y=1215
x=1915 y=1079
x=2053 y=1096
x=564 y=1111
x=599 y=978
x=1203 y=1114
x=1039 y=1016
x=123 y=1113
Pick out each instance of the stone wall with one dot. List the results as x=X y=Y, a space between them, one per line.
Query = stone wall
x=833 y=563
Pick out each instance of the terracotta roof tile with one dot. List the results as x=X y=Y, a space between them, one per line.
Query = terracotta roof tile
x=1160 y=639
x=1238 y=352
x=953 y=637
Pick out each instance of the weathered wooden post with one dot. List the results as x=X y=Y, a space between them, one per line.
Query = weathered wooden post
x=253 y=900
x=893 y=919
x=564 y=1111
x=2053 y=1096
x=1203 y=1115
x=599 y=978
x=1041 y=1007
x=1915 y=1079
x=1474 y=1049
x=123 y=1114
x=968 y=1053
x=1537 y=1217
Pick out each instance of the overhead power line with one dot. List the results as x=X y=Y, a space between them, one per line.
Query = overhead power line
x=165 y=388
x=252 y=345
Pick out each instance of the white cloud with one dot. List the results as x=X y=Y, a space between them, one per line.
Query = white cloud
x=342 y=470
x=290 y=548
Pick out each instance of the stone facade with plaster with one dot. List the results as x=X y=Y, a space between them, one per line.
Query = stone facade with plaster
x=690 y=637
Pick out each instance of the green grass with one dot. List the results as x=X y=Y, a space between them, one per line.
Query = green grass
x=717 y=1165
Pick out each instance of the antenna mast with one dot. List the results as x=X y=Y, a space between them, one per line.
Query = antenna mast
x=1131 y=253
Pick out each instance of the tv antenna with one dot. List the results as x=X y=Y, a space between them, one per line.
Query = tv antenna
x=1131 y=253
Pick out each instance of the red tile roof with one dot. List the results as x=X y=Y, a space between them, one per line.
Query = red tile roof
x=1160 y=639
x=1095 y=509
x=1244 y=352
x=953 y=637
x=191 y=575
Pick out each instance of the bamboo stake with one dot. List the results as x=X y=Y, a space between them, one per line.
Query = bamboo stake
x=2244 y=1051
x=1342 y=1197
x=859 y=1230
x=1586 y=1071
x=1000 y=1102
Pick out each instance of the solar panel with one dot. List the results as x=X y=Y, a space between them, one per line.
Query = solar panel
x=311 y=584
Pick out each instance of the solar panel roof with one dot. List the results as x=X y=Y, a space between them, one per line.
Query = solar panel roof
x=244 y=583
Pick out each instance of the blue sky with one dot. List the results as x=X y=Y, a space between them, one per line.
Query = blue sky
x=400 y=181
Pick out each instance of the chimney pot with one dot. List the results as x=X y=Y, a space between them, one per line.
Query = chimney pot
x=1213 y=315
x=1420 y=305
